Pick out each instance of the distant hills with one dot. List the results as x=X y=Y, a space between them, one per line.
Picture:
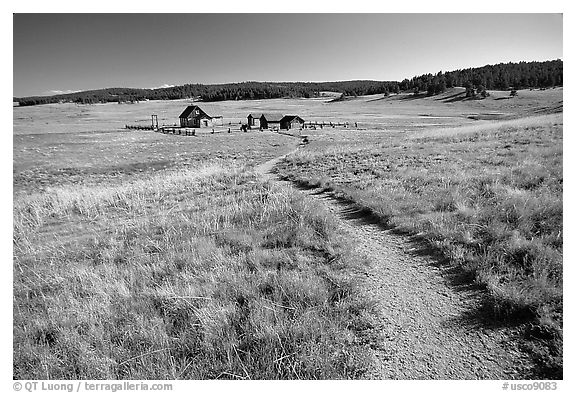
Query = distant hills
x=492 y=77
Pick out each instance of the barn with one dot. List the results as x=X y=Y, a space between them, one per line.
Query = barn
x=194 y=117
x=289 y=122
x=270 y=120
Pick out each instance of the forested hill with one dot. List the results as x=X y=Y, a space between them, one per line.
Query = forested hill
x=219 y=92
x=492 y=77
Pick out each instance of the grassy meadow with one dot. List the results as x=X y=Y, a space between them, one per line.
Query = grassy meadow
x=47 y=160
x=69 y=144
x=139 y=255
x=488 y=197
x=199 y=274
x=64 y=144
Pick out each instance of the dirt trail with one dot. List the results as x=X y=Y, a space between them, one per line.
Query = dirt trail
x=430 y=326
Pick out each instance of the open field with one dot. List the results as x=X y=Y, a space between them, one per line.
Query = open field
x=376 y=112
x=143 y=255
x=46 y=160
x=200 y=274
x=68 y=143
x=487 y=197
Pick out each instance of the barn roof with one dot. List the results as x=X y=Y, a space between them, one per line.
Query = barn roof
x=190 y=109
x=255 y=115
x=273 y=117
x=291 y=117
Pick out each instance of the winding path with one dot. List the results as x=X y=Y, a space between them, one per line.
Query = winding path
x=431 y=324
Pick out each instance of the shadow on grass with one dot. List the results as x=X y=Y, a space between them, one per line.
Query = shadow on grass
x=456 y=95
x=455 y=98
x=484 y=312
x=379 y=98
x=412 y=97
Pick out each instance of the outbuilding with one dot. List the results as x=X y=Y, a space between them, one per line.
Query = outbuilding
x=270 y=120
x=194 y=117
x=254 y=119
x=289 y=122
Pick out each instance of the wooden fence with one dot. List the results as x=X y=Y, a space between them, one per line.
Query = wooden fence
x=136 y=127
x=175 y=129
x=317 y=124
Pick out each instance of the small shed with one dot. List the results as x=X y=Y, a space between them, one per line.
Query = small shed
x=270 y=120
x=289 y=122
x=254 y=119
x=193 y=116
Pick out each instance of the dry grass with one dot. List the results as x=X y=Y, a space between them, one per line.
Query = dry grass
x=488 y=197
x=374 y=111
x=153 y=256
x=59 y=144
x=486 y=128
x=190 y=275
x=47 y=160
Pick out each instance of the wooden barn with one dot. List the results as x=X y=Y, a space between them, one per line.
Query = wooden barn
x=194 y=117
x=254 y=119
x=289 y=122
x=270 y=120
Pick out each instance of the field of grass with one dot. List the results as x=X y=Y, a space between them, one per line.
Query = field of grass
x=374 y=112
x=488 y=197
x=143 y=255
x=196 y=274
x=47 y=160
x=70 y=144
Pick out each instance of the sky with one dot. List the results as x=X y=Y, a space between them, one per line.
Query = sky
x=58 y=53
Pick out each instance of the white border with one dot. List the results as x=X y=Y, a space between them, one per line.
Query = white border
x=308 y=6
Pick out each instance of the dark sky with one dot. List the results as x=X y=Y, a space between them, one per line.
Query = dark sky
x=69 y=52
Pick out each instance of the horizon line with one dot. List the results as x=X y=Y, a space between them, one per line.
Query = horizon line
x=283 y=81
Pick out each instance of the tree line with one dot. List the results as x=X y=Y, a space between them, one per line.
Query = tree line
x=218 y=92
x=504 y=76
x=491 y=77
